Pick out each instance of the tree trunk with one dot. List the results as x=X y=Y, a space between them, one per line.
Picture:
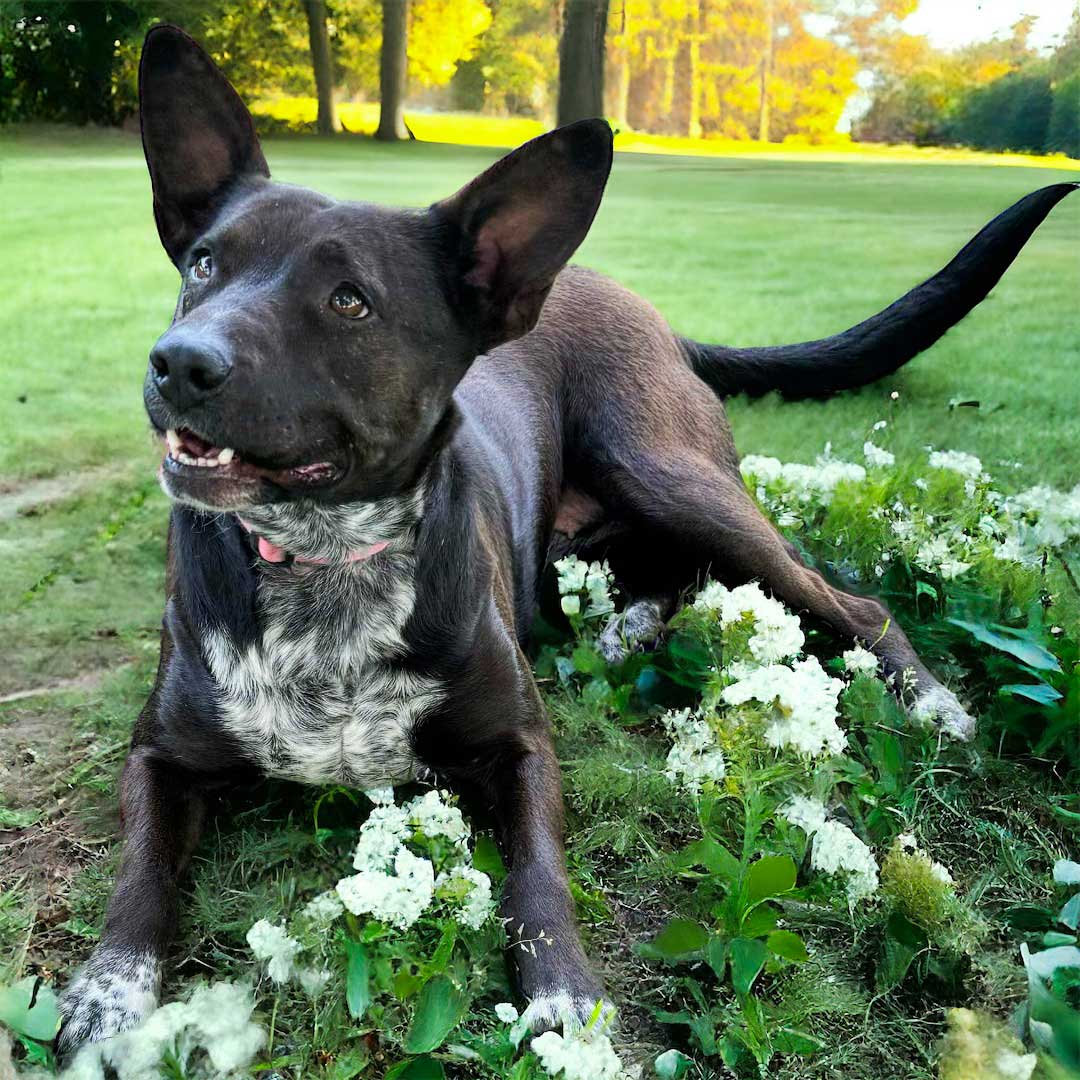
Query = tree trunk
x=766 y=71
x=319 y=40
x=393 y=66
x=581 y=60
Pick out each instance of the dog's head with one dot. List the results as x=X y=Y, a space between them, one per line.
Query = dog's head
x=316 y=344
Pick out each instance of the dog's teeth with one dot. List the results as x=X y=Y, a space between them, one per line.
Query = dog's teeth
x=226 y=455
x=202 y=461
x=185 y=459
x=173 y=440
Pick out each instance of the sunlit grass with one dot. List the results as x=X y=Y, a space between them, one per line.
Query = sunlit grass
x=475 y=129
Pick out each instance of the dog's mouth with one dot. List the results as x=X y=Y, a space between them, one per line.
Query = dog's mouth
x=197 y=468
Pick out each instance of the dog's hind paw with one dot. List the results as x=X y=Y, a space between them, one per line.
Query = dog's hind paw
x=638 y=626
x=566 y=1010
x=941 y=707
x=114 y=991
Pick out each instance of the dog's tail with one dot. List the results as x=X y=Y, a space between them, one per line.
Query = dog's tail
x=881 y=344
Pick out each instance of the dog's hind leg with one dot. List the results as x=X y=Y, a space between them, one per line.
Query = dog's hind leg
x=705 y=506
x=118 y=986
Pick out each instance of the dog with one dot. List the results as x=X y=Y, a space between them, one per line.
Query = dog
x=378 y=426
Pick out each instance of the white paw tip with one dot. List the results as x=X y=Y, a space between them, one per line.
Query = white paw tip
x=943 y=708
x=566 y=1010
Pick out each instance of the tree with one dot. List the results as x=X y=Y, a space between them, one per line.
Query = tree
x=393 y=65
x=319 y=38
x=61 y=61
x=581 y=60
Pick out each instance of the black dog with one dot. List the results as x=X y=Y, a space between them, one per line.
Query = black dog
x=379 y=424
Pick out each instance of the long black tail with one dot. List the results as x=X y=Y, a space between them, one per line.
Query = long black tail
x=884 y=342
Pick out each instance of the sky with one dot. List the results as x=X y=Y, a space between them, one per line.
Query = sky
x=949 y=23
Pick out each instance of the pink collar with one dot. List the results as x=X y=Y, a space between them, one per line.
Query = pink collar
x=274 y=554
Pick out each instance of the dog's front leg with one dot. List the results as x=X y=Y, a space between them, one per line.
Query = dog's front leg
x=538 y=910
x=161 y=811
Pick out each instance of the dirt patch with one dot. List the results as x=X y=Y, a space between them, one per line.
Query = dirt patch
x=88 y=680
x=24 y=498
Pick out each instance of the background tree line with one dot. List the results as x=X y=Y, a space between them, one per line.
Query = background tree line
x=761 y=69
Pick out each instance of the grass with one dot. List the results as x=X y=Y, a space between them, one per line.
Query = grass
x=743 y=249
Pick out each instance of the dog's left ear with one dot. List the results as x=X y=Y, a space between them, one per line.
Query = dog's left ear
x=198 y=137
x=515 y=226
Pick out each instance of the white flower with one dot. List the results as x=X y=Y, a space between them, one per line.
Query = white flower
x=804 y=701
x=860 y=661
x=506 y=1012
x=876 y=457
x=470 y=889
x=397 y=898
x=582 y=1055
x=324 y=908
x=806 y=483
x=384 y=831
x=216 y=1019
x=434 y=816
x=313 y=980
x=837 y=849
x=273 y=944
x=383 y=796
x=571 y=605
x=694 y=757
x=777 y=633
x=807 y=814
x=572 y=572
x=952 y=568
x=958 y=462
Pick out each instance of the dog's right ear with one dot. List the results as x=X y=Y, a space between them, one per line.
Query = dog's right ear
x=198 y=137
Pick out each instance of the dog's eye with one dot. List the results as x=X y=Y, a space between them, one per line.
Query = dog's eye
x=202 y=266
x=347 y=301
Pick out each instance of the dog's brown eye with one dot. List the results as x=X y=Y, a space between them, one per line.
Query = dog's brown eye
x=345 y=300
x=202 y=267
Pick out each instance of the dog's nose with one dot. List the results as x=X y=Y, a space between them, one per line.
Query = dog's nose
x=187 y=370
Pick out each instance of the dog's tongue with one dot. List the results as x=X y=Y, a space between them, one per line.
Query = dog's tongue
x=270 y=552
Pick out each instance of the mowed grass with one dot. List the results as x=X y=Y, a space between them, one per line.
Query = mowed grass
x=741 y=250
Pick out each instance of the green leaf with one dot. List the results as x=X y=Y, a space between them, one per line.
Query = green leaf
x=896 y=958
x=420 y=1068
x=41 y=1021
x=1028 y=917
x=1042 y=693
x=714 y=857
x=771 y=875
x=487 y=858
x=1007 y=640
x=588 y=661
x=761 y=921
x=788 y=945
x=747 y=959
x=357 y=979
x=1053 y=939
x=1066 y=872
x=716 y=954
x=439 y=1007
x=672 y=1065
x=1070 y=913
x=679 y=939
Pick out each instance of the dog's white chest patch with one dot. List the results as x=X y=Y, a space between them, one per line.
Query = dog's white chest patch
x=326 y=694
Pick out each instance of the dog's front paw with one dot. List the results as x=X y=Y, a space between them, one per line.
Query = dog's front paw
x=941 y=707
x=114 y=991
x=568 y=1010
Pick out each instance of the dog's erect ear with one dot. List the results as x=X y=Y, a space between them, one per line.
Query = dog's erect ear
x=198 y=137
x=517 y=224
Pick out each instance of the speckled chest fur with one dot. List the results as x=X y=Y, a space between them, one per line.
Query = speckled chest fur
x=326 y=693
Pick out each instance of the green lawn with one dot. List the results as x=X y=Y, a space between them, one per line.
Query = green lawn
x=741 y=250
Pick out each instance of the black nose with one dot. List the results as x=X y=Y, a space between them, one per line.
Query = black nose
x=188 y=369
